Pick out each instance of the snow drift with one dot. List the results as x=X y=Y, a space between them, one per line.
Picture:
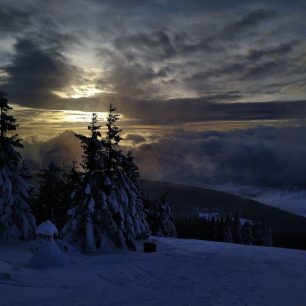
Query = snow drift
x=182 y=272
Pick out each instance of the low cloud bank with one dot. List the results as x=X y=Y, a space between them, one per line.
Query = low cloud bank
x=263 y=157
x=270 y=161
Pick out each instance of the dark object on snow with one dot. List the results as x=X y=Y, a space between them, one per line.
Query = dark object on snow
x=149 y=247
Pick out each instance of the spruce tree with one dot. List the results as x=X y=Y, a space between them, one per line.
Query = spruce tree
x=51 y=202
x=123 y=172
x=72 y=178
x=236 y=229
x=108 y=211
x=111 y=142
x=259 y=233
x=89 y=197
x=16 y=220
x=246 y=233
x=160 y=217
x=227 y=235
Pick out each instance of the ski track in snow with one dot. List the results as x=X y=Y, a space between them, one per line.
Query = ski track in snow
x=182 y=272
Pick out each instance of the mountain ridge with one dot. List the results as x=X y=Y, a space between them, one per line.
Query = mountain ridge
x=289 y=229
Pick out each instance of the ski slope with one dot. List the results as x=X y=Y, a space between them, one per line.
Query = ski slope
x=182 y=272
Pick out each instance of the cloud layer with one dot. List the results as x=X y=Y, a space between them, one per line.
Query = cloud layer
x=155 y=52
x=261 y=157
x=175 y=69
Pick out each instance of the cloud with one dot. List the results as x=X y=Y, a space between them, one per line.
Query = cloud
x=272 y=51
x=259 y=157
x=61 y=149
x=292 y=199
x=135 y=138
x=131 y=79
x=13 y=20
x=162 y=67
x=247 y=22
x=35 y=72
x=212 y=108
x=154 y=46
x=256 y=63
x=263 y=157
x=232 y=30
x=177 y=60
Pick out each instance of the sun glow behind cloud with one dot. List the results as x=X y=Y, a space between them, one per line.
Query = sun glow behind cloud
x=52 y=122
x=80 y=116
x=83 y=91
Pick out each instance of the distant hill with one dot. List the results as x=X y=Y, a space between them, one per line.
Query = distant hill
x=289 y=230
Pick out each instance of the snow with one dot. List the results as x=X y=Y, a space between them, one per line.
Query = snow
x=46 y=228
x=48 y=255
x=244 y=220
x=91 y=205
x=216 y=215
x=16 y=220
x=90 y=237
x=87 y=189
x=209 y=215
x=181 y=272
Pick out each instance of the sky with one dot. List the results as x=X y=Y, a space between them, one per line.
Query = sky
x=210 y=92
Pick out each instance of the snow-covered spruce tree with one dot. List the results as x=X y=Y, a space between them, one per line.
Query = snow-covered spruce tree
x=109 y=211
x=51 y=202
x=236 y=229
x=246 y=232
x=123 y=173
x=160 y=217
x=262 y=233
x=16 y=220
x=227 y=230
x=73 y=179
x=267 y=237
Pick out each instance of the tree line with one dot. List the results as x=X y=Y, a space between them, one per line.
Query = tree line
x=228 y=228
x=98 y=205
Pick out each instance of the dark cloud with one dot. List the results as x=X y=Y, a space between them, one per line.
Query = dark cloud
x=195 y=58
x=35 y=72
x=261 y=157
x=61 y=149
x=232 y=30
x=13 y=20
x=249 y=21
x=235 y=68
x=154 y=46
x=274 y=51
x=211 y=108
x=135 y=138
x=257 y=63
x=265 y=70
x=130 y=78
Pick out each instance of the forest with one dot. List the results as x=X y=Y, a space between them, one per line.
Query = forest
x=98 y=203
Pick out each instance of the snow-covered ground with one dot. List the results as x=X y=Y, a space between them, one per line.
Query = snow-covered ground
x=182 y=272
